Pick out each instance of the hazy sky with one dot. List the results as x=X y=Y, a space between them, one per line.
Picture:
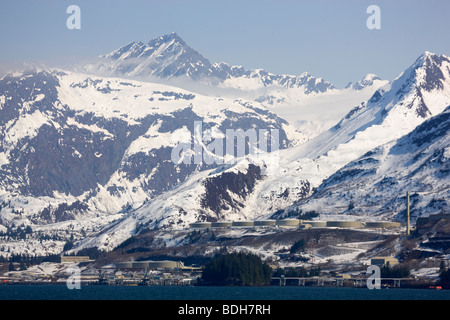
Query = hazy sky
x=329 y=39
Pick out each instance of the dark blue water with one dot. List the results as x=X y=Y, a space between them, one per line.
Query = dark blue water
x=61 y=292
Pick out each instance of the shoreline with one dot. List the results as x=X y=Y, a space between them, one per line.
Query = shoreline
x=421 y=286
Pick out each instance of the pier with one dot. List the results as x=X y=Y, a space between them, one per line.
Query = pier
x=336 y=282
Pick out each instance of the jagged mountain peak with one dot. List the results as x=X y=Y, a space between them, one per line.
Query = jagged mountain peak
x=371 y=76
x=169 y=39
x=422 y=91
x=134 y=49
x=171 y=36
x=369 y=80
x=164 y=57
x=414 y=89
x=169 y=56
x=107 y=141
x=117 y=54
x=380 y=178
x=427 y=64
x=432 y=70
x=431 y=56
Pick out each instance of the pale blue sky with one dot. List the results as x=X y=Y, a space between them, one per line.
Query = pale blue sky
x=329 y=39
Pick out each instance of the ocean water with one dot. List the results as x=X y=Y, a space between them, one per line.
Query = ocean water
x=61 y=292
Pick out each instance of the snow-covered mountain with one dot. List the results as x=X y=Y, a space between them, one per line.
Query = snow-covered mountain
x=240 y=192
x=314 y=114
x=164 y=57
x=421 y=92
x=169 y=57
x=303 y=100
x=368 y=81
x=88 y=155
x=77 y=151
x=376 y=183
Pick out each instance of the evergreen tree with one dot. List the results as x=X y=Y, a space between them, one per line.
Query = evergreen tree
x=314 y=272
x=442 y=267
x=68 y=246
x=394 y=272
x=23 y=266
x=298 y=246
x=445 y=279
x=28 y=230
x=237 y=269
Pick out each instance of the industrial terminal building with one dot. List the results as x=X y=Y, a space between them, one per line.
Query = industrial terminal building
x=75 y=259
x=288 y=223
x=222 y=224
x=382 y=225
x=265 y=223
x=244 y=224
x=151 y=265
x=345 y=224
x=296 y=223
x=201 y=225
x=384 y=261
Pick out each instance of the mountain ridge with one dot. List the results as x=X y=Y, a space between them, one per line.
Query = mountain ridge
x=416 y=163
x=92 y=154
x=93 y=146
x=169 y=56
x=393 y=112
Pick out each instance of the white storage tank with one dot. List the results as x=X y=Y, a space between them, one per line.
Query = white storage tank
x=165 y=264
x=288 y=223
x=245 y=224
x=345 y=224
x=201 y=225
x=382 y=225
x=265 y=223
x=140 y=264
x=124 y=265
x=317 y=224
x=221 y=224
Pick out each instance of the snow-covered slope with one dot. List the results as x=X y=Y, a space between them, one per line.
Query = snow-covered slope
x=396 y=109
x=239 y=192
x=313 y=114
x=164 y=57
x=80 y=150
x=312 y=105
x=376 y=183
x=368 y=81
x=89 y=157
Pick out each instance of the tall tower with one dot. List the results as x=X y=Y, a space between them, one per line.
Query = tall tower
x=408 y=215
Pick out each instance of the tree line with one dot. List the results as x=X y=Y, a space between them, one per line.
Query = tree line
x=399 y=271
x=25 y=261
x=444 y=276
x=19 y=233
x=236 y=269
